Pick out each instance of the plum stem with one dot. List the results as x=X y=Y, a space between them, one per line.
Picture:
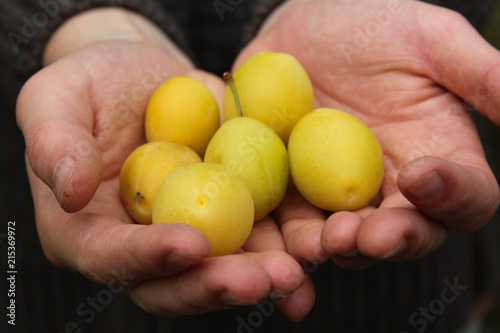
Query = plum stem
x=228 y=78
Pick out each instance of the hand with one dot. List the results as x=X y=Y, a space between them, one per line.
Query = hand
x=403 y=68
x=81 y=116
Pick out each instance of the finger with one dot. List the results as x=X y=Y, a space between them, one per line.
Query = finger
x=99 y=246
x=285 y=274
x=293 y=299
x=56 y=120
x=339 y=235
x=472 y=71
x=340 y=239
x=214 y=284
x=399 y=233
x=296 y=306
x=265 y=236
x=218 y=283
x=214 y=83
x=396 y=233
x=144 y=252
x=463 y=198
x=301 y=225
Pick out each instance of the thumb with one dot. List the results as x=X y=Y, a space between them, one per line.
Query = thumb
x=463 y=61
x=463 y=197
x=56 y=120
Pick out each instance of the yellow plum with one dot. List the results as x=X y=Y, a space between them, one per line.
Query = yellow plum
x=336 y=161
x=182 y=110
x=274 y=88
x=253 y=151
x=144 y=170
x=211 y=198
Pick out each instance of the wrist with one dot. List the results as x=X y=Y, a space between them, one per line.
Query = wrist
x=107 y=24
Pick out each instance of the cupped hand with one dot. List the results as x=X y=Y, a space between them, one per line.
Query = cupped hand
x=81 y=116
x=404 y=68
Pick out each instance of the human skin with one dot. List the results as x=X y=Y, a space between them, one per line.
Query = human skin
x=79 y=130
x=406 y=82
x=404 y=68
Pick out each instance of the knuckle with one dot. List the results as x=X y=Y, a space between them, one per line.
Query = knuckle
x=90 y=258
x=36 y=138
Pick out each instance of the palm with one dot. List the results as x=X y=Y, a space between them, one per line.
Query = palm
x=99 y=95
x=107 y=90
x=389 y=75
x=390 y=86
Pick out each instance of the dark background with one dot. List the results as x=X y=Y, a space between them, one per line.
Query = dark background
x=16 y=204
x=492 y=34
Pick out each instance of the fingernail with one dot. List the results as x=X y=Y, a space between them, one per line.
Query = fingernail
x=351 y=254
x=309 y=266
x=229 y=299
x=296 y=280
x=62 y=175
x=179 y=260
x=397 y=251
x=320 y=255
x=429 y=188
x=297 y=320
x=277 y=296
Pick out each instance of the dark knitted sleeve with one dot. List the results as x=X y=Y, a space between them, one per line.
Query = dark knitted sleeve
x=27 y=25
x=262 y=10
